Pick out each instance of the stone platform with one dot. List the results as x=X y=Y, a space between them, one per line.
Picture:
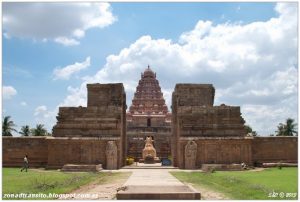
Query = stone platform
x=148 y=166
x=81 y=168
x=183 y=192
x=155 y=184
x=220 y=167
x=270 y=165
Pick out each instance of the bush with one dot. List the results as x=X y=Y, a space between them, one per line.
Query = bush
x=279 y=165
x=129 y=160
x=212 y=170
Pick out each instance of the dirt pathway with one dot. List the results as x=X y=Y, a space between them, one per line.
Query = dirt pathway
x=208 y=194
x=104 y=191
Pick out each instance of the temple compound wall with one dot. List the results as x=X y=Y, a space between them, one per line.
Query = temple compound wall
x=274 y=149
x=15 y=148
x=83 y=150
x=218 y=132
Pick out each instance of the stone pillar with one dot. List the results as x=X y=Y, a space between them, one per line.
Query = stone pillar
x=190 y=155
x=111 y=155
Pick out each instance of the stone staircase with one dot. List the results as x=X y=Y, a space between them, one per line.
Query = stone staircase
x=81 y=168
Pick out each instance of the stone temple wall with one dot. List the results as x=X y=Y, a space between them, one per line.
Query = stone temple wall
x=274 y=149
x=15 y=148
x=80 y=151
x=81 y=133
x=210 y=121
x=53 y=152
x=194 y=94
x=104 y=115
x=194 y=116
x=250 y=150
x=217 y=151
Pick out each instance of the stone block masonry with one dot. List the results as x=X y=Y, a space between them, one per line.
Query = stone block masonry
x=15 y=148
x=275 y=149
x=102 y=120
x=218 y=132
x=104 y=115
x=83 y=150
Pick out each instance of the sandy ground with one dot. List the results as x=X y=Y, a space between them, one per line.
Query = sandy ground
x=108 y=190
x=98 y=191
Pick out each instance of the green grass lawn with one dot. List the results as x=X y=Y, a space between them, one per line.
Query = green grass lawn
x=247 y=184
x=41 y=181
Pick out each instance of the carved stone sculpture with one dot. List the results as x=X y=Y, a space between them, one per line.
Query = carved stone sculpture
x=190 y=155
x=149 y=152
x=111 y=155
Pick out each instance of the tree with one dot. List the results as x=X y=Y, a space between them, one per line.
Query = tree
x=250 y=131
x=39 y=130
x=287 y=129
x=280 y=130
x=291 y=127
x=25 y=131
x=8 y=126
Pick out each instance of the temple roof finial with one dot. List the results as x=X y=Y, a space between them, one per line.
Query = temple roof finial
x=148 y=66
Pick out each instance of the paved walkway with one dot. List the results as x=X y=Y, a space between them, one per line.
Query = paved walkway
x=154 y=177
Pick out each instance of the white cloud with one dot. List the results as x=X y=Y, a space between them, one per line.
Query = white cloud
x=65 y=72
x=40 y=110
x=8 y=92
x=45 y=116
x=252 y=65
x=66 y=41
x=23 y=104
x=61 y=22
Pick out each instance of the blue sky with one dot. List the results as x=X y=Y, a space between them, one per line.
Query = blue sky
x=235 y=46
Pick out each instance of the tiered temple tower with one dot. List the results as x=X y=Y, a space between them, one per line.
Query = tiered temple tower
x=148 y=116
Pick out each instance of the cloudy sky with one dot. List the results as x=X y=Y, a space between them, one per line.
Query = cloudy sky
x=248 y=51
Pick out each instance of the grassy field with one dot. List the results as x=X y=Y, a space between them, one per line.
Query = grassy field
x=41 y=181
x=247 y=184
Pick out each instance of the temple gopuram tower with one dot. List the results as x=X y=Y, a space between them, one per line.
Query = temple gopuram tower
x=148 y=115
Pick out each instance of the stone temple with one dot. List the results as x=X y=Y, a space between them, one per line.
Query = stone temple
x=148 y=116
x=194 y=134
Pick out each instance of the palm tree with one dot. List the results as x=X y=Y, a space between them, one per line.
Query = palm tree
x=7 y=126
x=280 y=130
x=291 y=127
x=287 y=129
x=39 y=130
x=25 y=131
